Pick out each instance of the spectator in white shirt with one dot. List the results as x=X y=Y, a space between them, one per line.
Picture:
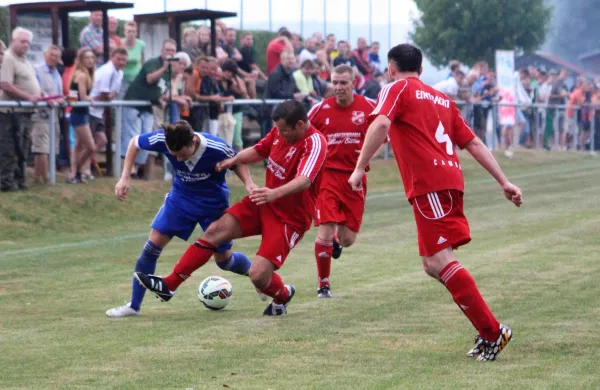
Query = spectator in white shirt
x=107 y=84
x=309 y=52
x=451 y=85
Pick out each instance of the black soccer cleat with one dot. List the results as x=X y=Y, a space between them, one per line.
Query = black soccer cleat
x=156 y=285
x=478 y=348
x=324 y=292
x=275 y=309
x=336 y=252
x=491 y=349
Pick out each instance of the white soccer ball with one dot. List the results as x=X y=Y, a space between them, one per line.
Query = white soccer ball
x=215 y=292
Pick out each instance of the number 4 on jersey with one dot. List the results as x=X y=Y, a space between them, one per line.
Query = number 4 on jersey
x=441 y=137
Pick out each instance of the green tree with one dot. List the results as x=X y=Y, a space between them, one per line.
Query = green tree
x=472 y=30
x=575 y=28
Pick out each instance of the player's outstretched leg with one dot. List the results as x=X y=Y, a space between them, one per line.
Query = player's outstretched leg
x=225 y=229
x=146 y=263
x=235 y=262
x=264 y=277
x=444 y=267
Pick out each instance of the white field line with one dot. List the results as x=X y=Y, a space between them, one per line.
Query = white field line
x=120 y=237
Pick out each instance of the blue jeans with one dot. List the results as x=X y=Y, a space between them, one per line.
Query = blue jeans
x=135 y=123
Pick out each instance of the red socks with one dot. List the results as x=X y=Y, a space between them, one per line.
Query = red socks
x=323 y=255
x=467 y=296
x=277 y=290
x=194 y=257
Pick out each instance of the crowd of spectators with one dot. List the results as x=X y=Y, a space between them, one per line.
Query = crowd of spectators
x=296 y=68
x=539 y=94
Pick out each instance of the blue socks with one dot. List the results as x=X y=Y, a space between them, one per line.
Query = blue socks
x=145 y=264
x=237 y=263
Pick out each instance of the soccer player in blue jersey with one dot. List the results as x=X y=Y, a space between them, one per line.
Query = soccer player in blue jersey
x=199 y=196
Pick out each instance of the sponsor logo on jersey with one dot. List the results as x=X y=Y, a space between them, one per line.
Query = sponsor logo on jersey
x=358 y=117
x=278 y=170
x=344 y=138
x=290 y=153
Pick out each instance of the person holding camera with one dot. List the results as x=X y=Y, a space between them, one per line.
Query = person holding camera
x=150 y=84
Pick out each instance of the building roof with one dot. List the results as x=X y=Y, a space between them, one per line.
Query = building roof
x=589 y=55
x=562 y=63
x=70 y=6
x=187 y=15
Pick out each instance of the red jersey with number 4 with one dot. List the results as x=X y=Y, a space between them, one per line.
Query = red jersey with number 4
x=345 y=129
x=425 y=126
x=286 y=162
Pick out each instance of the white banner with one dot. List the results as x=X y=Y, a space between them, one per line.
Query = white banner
x=505 y=69
x=40 y=25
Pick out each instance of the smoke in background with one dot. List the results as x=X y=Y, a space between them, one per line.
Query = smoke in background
x=575 y=28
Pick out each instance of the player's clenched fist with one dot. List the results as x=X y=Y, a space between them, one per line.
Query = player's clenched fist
x=122 y=188
x=355 y=180
x=225 y=164
x=513 y=193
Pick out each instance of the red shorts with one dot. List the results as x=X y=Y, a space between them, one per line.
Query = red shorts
x=440 y=221
x=337 y=203
x=278 y=239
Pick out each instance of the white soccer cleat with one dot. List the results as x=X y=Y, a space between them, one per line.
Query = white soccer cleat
x=122 y=311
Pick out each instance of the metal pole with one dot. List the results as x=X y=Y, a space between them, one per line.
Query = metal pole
x=241 y=14
x=389 y=25
x=52 y=151
x=205 y=4
x=270 y=16
x=593 y=134
x=117 y=155
x=370 y=21
x=324 y=18
x=576 y=130
x=165 y=5
x=348 y=21
x=302 y=18
x=556 y=128
x=536 y=127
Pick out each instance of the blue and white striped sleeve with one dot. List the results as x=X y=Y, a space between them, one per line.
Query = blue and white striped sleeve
x=225 y=150
x=154 y=141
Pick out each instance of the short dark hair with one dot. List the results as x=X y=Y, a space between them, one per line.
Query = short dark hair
x=118 y=50
x=308 y=64
x=285 y=33
x=178 y=135
x=291 y=111
x=230 y=29
x=230 y=65
x=406 y=57
x=68 y=56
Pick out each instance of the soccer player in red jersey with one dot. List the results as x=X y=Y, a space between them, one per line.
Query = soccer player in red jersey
x=281 y=212
x=423 y=125
x=343 y=120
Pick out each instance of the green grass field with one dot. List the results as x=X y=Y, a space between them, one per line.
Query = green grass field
x=67 y=254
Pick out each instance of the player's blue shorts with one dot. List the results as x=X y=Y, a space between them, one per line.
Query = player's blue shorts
x=173 y=221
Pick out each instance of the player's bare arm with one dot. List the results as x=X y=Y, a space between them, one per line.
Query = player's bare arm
x=266 y=195
x=124 y=184
x=243 y=173
x=485 y=158
x=376 y=136
x=246 y=156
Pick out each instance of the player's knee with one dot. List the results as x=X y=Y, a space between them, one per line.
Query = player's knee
x=347 y=240
x=430 y=267
x=259 y=275
x=216 y=233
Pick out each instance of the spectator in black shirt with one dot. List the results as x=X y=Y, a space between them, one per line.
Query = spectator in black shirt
x=248 y=69
x=281 y=83
x=343 y=57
